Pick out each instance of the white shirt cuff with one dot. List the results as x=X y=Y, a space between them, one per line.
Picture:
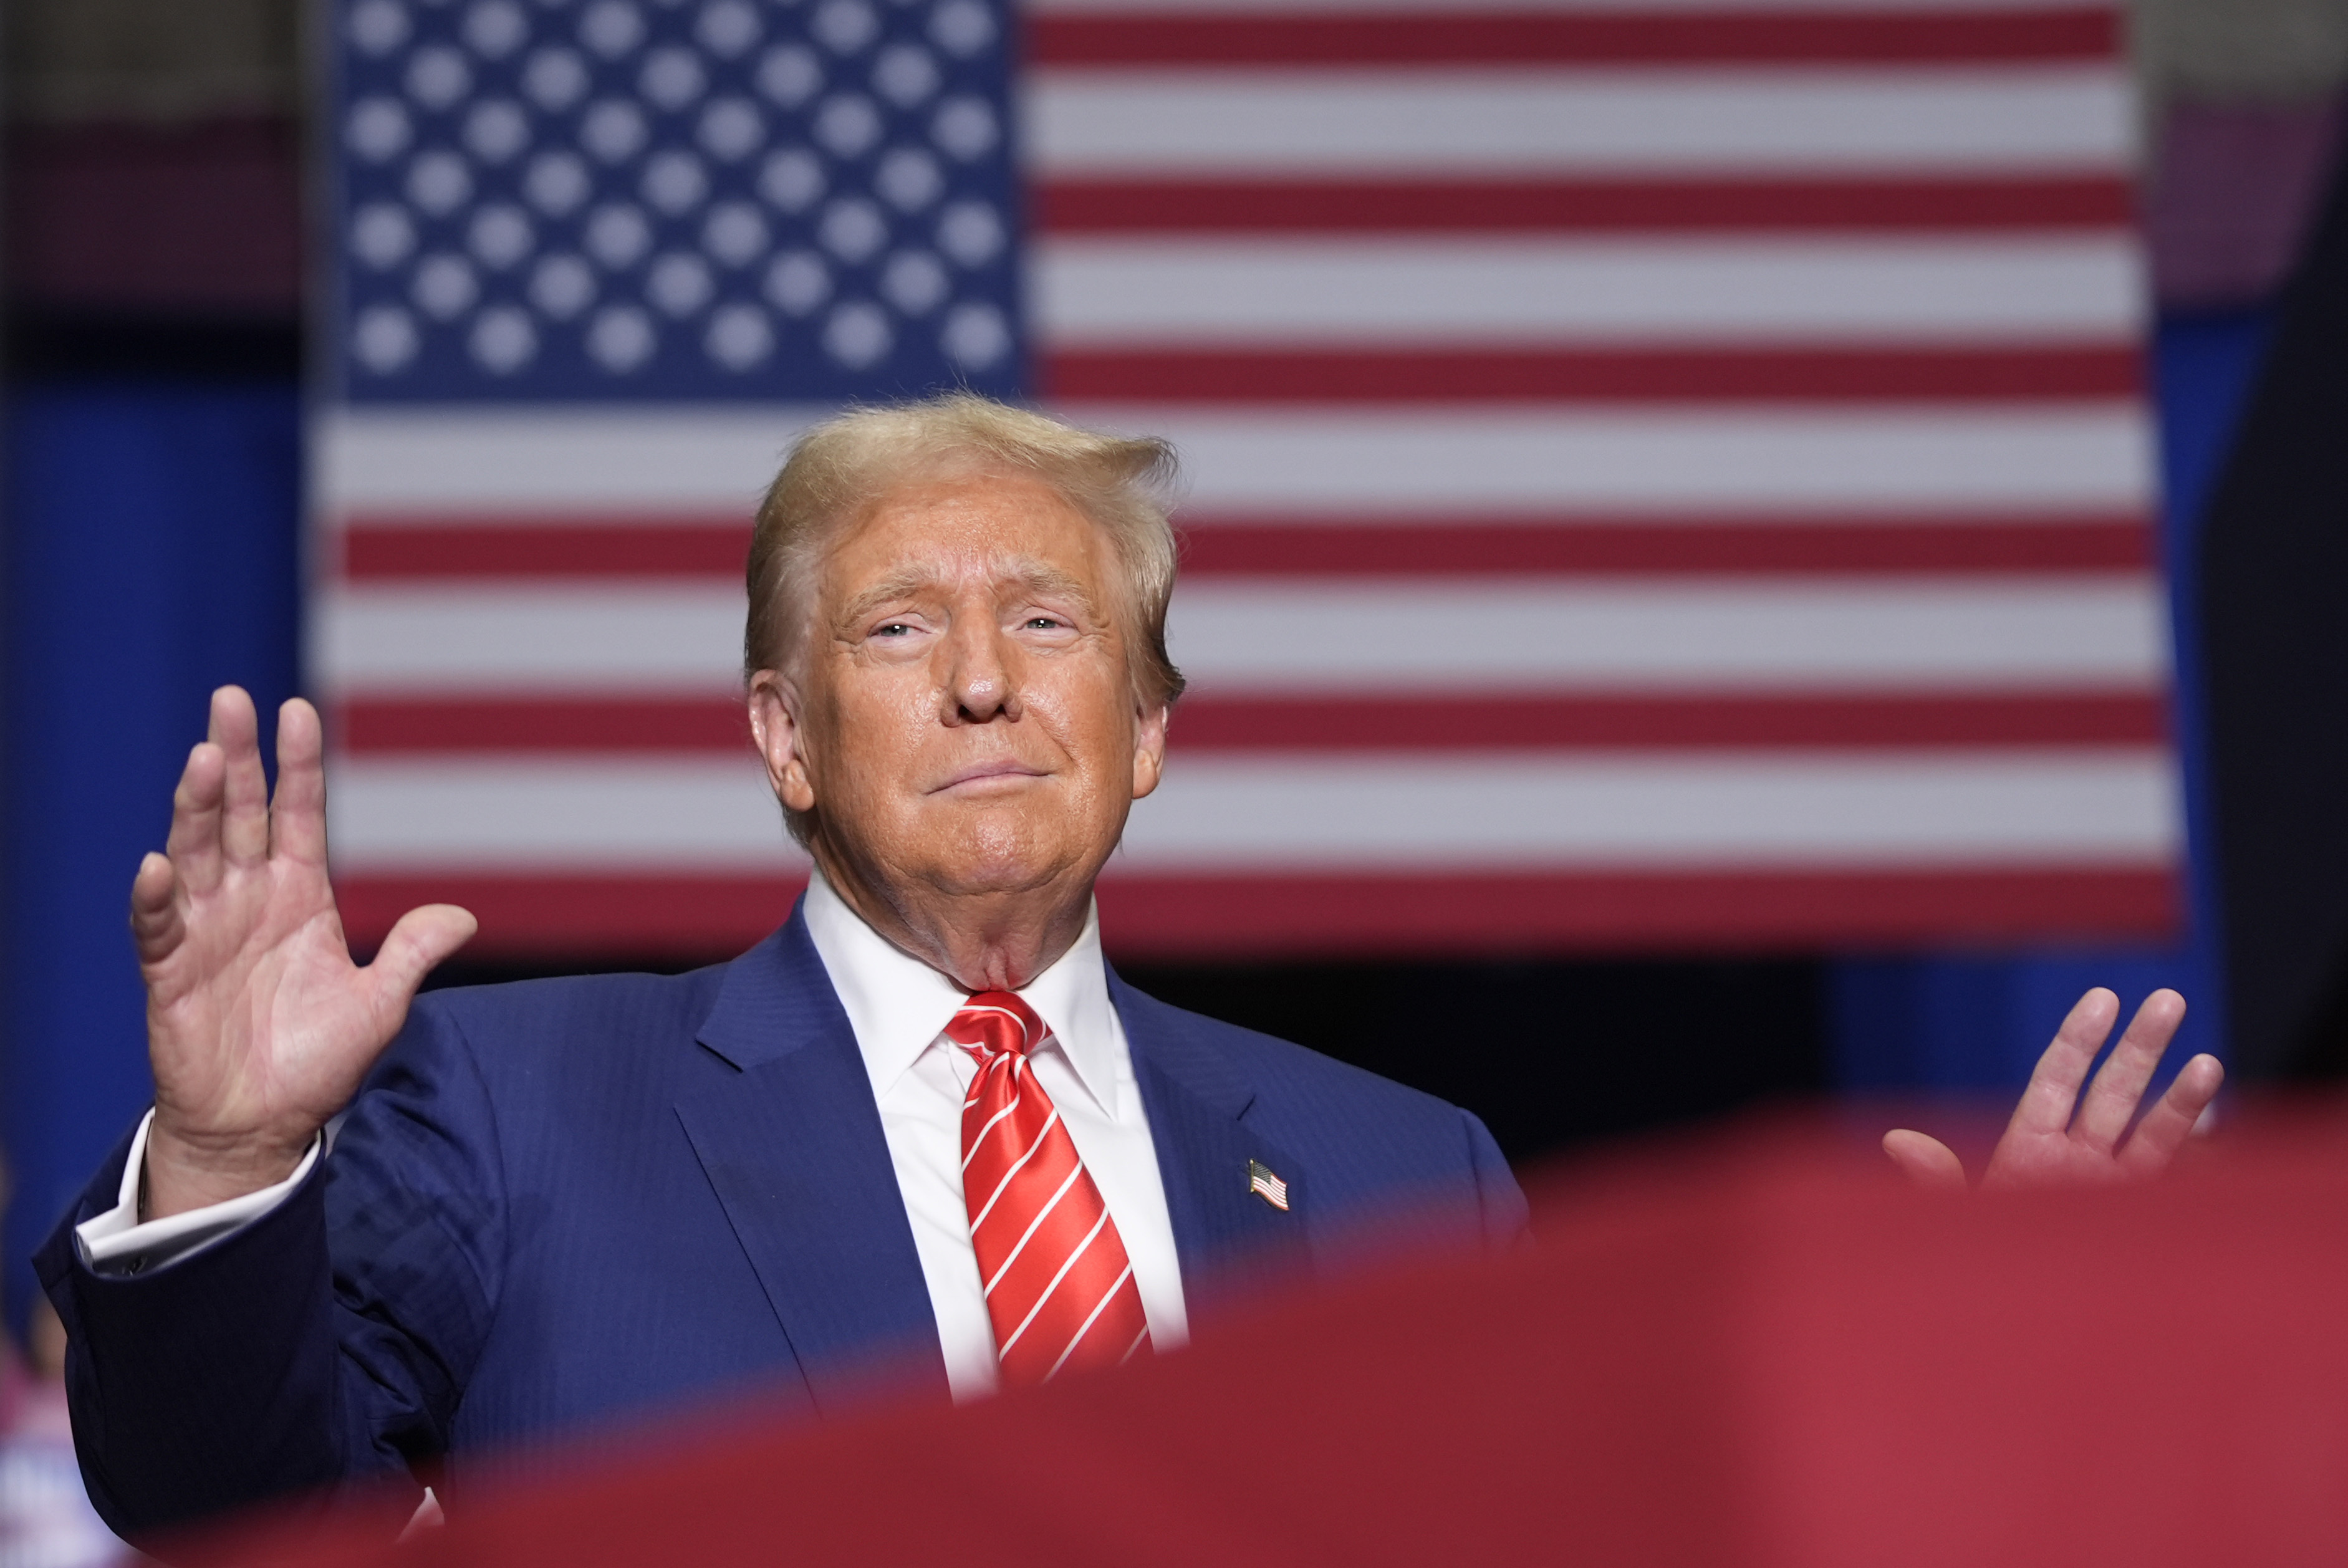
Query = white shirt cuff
x=115 y=1242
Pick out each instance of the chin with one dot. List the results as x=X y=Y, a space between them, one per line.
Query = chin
x=996 y=851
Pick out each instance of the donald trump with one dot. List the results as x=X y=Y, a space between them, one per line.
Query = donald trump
x=922 y=1126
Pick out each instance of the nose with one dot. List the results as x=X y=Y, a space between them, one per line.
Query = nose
x=981 y=682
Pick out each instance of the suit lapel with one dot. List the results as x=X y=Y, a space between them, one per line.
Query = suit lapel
x=794 y=1149
x=1231 y=1241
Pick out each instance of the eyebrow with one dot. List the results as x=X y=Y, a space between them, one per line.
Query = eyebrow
x=1024 y=572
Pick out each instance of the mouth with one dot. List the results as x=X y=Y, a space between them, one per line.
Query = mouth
x=982 y=777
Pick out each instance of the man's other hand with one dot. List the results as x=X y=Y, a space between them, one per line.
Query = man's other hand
x=2046 y=1143
x=259 y=1026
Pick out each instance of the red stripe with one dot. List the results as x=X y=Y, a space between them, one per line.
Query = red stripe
x=543 y=723
x=490 y=550
x=1645 y=375
x=1535 y=721
x=1500 y=37
x=646 y=916
x=383 y=548
x=1296 y=206
x=1283 y=206
x=653 y=916
x=1544 y=722
x=1628 y=911
x=1253 y=546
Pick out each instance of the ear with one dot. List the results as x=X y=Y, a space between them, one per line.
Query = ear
x=1149 y=749
x=774 y=724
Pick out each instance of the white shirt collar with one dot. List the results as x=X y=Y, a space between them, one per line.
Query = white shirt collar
x=898 y=1006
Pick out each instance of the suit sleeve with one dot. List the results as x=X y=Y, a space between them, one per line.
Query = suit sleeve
x=325 y=1344
x=1507 y=1219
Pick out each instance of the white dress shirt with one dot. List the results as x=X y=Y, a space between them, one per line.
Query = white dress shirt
x=118 y=1242
x=898 y=1007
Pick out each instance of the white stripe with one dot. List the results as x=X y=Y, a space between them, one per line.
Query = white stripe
x=1093 y=1316
x=1751 y=461
x=557 y=815
x=1436 y=522
x=584 y=462
x=1067 y=1264
x=1306 y=634
x=1041 y=1215
x=1017 y=1166
x=1747 y=459
x=1297 y=636
x=1521 y=292
x=641 y=638
x=1251 y=812
x=1388 y=124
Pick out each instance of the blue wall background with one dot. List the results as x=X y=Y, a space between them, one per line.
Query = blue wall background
x=151 y=553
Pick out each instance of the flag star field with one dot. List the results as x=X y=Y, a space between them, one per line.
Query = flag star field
x=633 y=201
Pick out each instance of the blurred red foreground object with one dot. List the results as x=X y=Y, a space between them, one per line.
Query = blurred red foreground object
x=1755 y=1349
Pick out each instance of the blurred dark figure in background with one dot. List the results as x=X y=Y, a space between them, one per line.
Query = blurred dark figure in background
x=45 y=1519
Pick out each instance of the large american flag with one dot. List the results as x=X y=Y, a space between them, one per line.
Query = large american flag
x=1663 y=473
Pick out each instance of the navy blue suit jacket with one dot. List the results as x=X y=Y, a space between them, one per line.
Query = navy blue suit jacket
x=560 y=1203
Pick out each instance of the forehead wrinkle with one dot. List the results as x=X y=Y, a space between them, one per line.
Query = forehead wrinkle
x=1042 y=578
x=903 y=583
x=1018 y=571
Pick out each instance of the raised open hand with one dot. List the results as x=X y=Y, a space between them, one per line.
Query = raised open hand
x=2046 y=1143
x=259 y=1026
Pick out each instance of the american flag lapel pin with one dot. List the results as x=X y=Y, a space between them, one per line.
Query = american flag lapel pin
x=1267 y=1186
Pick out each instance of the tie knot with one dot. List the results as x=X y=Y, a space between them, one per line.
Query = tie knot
x=993 y=1022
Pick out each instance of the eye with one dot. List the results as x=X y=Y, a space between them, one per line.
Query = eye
x=892 y=629
x=1045 y=623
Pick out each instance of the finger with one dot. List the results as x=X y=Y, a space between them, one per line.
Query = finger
x=155 y=924
x=2113 y=1097
x=297 y=821
x=2167 y=1125
x=244 y=813
x=421 y=939
x=2054 y=1092
x=1927 y=1161
x=194 y=845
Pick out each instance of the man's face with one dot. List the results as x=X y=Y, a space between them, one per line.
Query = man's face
x=966 y=716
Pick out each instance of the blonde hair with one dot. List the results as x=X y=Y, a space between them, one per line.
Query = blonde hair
x=841 y=469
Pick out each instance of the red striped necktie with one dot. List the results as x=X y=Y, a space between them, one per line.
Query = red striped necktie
x=1058 y=1284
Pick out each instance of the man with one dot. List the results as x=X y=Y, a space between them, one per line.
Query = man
x=921 y=1131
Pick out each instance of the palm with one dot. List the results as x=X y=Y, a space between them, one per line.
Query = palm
x=259 y=1026
x=2057 y=1135
x=256 y=1011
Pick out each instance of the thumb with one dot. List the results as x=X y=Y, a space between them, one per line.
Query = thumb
x=421 y=939
x=1927 y=1161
